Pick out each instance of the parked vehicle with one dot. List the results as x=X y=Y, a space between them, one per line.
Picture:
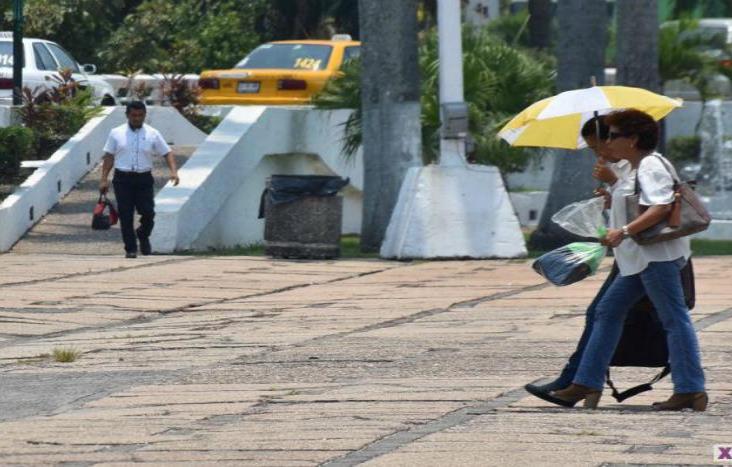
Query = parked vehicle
x=43 y=59
x=279 y=73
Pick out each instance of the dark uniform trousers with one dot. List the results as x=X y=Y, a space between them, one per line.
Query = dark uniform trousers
x=134 y=191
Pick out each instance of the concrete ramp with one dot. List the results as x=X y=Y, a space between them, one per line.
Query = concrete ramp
x=217 y=201
x=56 y=177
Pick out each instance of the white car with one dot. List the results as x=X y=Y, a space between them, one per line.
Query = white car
x=44 y=59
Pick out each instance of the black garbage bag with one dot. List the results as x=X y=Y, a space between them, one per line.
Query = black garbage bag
x=570 y=263
x=287 y=188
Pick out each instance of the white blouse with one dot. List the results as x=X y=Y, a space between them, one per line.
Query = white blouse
x=656 y=186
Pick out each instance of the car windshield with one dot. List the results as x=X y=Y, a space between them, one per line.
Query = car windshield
x=6 y=54
x=64 y=58
x=289 y=56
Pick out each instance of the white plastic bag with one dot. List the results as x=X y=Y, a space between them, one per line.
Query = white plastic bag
x=583 y=218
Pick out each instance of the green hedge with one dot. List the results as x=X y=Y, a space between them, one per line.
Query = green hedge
x=16 y=144
x=683 y=149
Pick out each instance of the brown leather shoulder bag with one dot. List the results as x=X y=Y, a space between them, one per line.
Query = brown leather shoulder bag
x=688 y=214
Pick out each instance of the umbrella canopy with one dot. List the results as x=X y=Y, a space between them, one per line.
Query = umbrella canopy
x=556 y=121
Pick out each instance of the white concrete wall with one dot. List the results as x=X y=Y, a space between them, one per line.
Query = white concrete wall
x=152 y=82
x=55 y=177
x=528 y=206
x=480 y=12
x=216 y=203
x=683 y=121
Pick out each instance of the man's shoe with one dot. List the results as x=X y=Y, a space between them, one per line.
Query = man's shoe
x=145 y=247
x=131 y=254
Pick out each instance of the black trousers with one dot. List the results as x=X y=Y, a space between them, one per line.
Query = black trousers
x=134 y=191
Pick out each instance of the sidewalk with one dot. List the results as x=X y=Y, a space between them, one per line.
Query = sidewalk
x=66 y=228
x=250 y=361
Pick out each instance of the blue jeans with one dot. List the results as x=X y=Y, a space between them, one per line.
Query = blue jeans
x=662 y=282
x=570 y=369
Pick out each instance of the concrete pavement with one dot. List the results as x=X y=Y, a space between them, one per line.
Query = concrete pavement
x=250 y=361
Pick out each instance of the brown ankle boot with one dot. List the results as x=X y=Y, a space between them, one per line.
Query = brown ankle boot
x=691 y=400
x=574 y=393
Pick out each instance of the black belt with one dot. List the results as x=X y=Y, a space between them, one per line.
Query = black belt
x=129 y=173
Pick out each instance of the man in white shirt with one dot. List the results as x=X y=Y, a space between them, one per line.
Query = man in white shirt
x=130 y=149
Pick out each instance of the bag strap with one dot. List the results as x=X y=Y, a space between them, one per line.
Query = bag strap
x=668 y=168
x=635 y=390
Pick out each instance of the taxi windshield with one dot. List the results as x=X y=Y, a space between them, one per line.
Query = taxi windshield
x=288 y=56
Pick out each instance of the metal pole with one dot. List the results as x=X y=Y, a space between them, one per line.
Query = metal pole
x=453 y=112
x=17 y=52
x=451 y=51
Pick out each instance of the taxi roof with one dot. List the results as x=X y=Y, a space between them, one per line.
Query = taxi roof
x=318 y=42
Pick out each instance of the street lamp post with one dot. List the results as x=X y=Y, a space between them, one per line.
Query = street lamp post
x=17 y=52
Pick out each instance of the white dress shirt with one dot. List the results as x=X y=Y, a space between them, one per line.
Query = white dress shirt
x=656 y=187
x=133 y=150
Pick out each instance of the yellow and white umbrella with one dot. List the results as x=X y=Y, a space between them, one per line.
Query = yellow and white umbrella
x=556 y=121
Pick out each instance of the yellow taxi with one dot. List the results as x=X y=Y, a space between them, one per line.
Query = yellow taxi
x=279 y=73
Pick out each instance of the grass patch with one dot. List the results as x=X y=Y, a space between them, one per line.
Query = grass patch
x=65 y=354
x=711 y=247
x=350 y=248
x=33 y=360
x=699 y=247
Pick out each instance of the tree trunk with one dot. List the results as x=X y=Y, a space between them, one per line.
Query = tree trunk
x=540 y=21
x=637 y=44
x=391 y=112
x=637 y=48
x=581 y=55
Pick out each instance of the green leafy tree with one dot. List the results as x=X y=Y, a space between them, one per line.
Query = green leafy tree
x=311 y=19
x=184 y=36
x=681 y=56
x=79 y=25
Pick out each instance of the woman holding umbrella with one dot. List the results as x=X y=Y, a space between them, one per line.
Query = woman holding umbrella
x=608 y=170
x=644 y=269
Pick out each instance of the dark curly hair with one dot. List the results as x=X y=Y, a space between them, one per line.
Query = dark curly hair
x=632 y=122
x=589 y=129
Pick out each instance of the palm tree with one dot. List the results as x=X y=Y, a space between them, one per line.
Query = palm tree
x=391 y=111
x=582 y=39
x=540 y=22
x=637 y=44
x=315 y=19
x=680 y=55
x=498 y=82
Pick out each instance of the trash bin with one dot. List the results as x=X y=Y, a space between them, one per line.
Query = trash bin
x=303 y=216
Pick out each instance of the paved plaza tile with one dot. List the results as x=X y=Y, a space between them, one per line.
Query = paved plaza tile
x=190 y=360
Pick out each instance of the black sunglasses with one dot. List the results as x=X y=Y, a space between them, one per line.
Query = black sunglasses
x=615 y=135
